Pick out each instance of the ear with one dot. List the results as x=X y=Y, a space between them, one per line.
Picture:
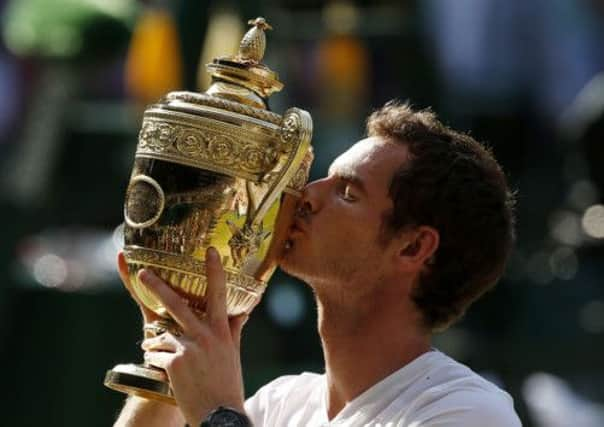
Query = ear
x=416 y=248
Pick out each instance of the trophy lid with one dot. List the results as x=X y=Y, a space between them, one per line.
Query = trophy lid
x=242 y=77
x=229 y=129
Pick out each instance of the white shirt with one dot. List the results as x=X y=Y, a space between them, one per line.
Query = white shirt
x=431 y=391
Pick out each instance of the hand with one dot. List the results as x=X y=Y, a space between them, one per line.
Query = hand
x=203 y=363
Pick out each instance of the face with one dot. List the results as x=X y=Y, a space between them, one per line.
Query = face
x=335 y=238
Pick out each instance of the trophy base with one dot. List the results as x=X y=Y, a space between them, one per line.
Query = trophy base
x=139 y=380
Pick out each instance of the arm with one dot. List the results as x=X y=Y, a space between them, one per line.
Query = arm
x=149 y=413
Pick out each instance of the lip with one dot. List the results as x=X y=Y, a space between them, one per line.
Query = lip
x=298 y=227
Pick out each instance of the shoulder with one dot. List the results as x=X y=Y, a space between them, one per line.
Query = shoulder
x=469 y=408
x=284 y=385
x=289 y=390
x=459 y=396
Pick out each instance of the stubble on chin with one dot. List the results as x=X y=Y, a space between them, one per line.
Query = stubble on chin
x=291 y=265
x=315 y=271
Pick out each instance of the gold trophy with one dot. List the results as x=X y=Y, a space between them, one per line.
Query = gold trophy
x=214 y=169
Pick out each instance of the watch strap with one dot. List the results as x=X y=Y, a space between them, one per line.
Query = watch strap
x=224 y=416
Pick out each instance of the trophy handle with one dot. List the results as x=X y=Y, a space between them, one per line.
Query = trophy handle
x=295 y=134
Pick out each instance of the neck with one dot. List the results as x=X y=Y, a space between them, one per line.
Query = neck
x=363 y=346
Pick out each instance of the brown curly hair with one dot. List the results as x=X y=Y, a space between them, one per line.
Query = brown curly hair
x=454 y=184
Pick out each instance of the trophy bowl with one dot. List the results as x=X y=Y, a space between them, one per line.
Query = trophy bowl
x=214 y=169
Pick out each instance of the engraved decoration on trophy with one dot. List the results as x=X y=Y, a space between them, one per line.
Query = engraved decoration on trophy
x=212 y=169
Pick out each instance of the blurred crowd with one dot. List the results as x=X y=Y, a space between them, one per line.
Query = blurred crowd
x=525 y=76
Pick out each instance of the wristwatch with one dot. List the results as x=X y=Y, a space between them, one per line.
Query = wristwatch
x=226 y=417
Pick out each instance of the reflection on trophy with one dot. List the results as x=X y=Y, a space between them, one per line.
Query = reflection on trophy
x=214 y=169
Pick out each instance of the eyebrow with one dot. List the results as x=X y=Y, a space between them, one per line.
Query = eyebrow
x=348 y=176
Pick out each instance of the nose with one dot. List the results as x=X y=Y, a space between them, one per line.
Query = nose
x=311 y=200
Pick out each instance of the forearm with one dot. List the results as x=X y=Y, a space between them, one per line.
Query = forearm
x=139 y=412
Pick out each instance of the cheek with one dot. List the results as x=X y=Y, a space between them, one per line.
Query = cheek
x=345 y=227
x=342 y=235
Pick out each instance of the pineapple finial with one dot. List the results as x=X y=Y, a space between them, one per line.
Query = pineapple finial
x=253 y=44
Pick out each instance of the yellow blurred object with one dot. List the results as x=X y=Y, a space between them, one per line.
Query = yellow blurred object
x=224 y=35
x=344 y=62
x=343 y=69
x=154 y=63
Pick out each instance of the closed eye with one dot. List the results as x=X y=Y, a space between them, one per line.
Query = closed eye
x=346 y=192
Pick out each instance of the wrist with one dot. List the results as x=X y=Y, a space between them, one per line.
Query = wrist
x=141 y=411
x=224 y=416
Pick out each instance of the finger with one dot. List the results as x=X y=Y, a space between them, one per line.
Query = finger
x=216 y=291
x=159 y=359
x=122 y=268
x=236 y=324
x=172 y=302
x=164 y=342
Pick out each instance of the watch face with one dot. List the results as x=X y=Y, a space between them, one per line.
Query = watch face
x=227 y=418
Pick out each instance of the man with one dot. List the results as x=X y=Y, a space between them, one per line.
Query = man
x=410 y=226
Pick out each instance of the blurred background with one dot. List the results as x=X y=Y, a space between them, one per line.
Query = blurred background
x=525 y=75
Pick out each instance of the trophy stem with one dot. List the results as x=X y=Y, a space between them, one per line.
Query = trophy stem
x=144 y=380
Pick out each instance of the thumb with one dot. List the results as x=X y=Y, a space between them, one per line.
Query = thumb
x=122 y=267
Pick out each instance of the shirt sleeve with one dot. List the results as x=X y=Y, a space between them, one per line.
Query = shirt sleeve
x=468 y=409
